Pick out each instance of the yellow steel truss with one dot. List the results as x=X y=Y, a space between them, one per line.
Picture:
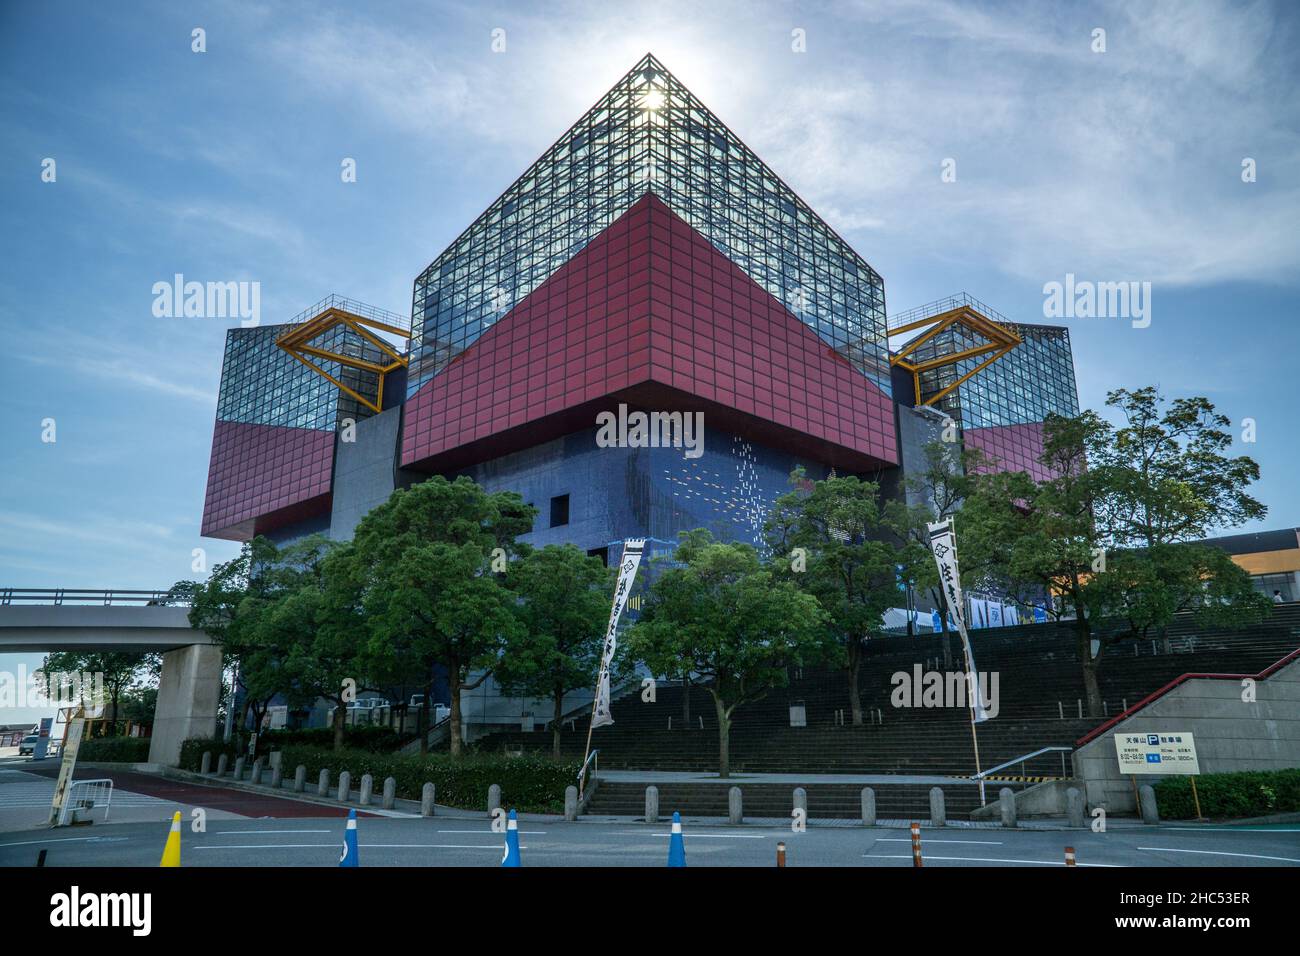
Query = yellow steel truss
x=1001 y=340
x=297 y=342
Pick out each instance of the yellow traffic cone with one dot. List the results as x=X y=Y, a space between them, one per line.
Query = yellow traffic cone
x=172 y=851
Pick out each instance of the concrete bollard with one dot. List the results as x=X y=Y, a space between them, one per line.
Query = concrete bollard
x=323 y=785
x=239 y=768
x=868 y=807
x=345 y=786
x=651 y=804
x=222 y=760
x=367 y=789
x=277 y=777
x=735 y=806
x=1007 y=806
x=390 y=793
x=1074 y=807
x=205 y=767
x=256 y=775
x=570 y=803
x=938 y=813
x=494 y=798
x=300 y=779
x=1150 y=814
x=426 y=800
x=801 y=800
x=277 y=756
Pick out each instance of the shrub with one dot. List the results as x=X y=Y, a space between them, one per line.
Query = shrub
x=374 y=739
x=114 y=749
x=192 y=752
x=1249 y=793
x=531 y=783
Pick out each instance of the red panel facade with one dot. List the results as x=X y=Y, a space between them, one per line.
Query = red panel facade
x=649 y=311
x=1011 y=448
x=258 y=471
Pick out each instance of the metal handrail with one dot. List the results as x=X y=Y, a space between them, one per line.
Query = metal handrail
x=105 y=596
x=590 y=757
x=1019 y=760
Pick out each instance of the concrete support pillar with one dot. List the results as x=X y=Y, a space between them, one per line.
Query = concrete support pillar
x=1007 y=807
x=938 y=812
x=426 y=800
x=205 y=767
x=300 y=779
x=1074 y=807
x=652 y=804
x=189 y=689
x=222 y=761
x=735 y=806
x=367 y=788
x=239 y=768
x=868 y=807
x=494 y=798
x=801 y=800
x=256 y=775
x=1147 y=804
x=570 y=803
x=323 y=784
x=390 y=793
x=345 y=787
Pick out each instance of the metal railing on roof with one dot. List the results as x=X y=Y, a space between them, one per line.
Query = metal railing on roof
x=333 y=301
x=89 y=596
x=940 y=306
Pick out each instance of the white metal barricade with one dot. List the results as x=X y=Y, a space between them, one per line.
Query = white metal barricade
x=86 y=796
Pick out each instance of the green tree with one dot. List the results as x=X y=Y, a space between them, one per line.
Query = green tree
x=739 y=627
x=121 y=672
x=424 y=570
x=563 y=607
x=831 y=538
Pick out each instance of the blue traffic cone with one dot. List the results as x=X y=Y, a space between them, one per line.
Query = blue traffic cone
x=349 y=857
x=676 y=848
x=512 y=841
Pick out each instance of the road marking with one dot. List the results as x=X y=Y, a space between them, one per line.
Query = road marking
x=984 y=859
x=704 y=836
x=530 y=832
x=378 y=846
x=1232 y=829
x=69 y=840
x=1252 y=856
x=929 y=841
x=249 y=832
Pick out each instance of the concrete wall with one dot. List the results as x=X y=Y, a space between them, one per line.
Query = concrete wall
x=364 y=471
x=1230 y=734
x=188 y=692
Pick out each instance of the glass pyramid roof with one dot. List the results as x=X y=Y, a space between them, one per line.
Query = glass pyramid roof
x=648 y=133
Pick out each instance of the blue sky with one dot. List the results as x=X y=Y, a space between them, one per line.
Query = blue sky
x=224 y=166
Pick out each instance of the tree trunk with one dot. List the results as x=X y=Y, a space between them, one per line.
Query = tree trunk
x=422 y=719
x=340 y=719
x=855 y=667
x=1091 y=685
x=1165 y=646
x=455 y=682
x=555 y=722
x=724 y=738
x=686 y=701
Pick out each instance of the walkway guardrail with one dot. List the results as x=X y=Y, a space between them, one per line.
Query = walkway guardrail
x=1022 y=760
x=90 y=596
x=582 y=772
x=88 y=796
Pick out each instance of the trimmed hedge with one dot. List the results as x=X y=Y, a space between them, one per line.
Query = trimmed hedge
x=115 y=749
x=530 y=783
x=1249 y=793
x=374 y=739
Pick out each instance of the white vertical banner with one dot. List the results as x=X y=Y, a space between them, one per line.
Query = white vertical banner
x=943 y=544
x=627 y=568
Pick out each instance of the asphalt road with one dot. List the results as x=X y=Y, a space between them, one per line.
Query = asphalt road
x=443 y=842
